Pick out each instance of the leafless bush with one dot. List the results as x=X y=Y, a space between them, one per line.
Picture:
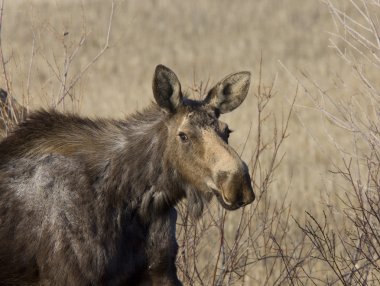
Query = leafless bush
x=347 y=239
x=64 y=80
x=252 y=246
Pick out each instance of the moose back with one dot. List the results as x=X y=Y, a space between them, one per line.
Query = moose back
x=91 y=202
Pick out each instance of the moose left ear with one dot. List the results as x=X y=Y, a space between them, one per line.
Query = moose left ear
x=229 y=93
x=166 y=89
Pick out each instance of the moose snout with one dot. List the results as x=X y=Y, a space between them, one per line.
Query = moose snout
x=245 y=194
x=236 y=189
x=248 y=196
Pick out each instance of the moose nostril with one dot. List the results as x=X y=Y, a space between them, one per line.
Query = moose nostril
x=241 y=203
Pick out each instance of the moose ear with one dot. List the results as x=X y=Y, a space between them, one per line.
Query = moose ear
x=167 y=89
x=229 y=93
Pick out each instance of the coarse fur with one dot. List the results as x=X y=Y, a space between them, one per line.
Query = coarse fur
x=91 y=202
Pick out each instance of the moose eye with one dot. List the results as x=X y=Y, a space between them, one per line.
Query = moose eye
x=183 y=137
x=227 y=132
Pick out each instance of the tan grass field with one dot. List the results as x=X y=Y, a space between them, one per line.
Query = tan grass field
x=201 y=41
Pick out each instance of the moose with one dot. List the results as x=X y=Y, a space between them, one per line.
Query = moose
x=92 y=201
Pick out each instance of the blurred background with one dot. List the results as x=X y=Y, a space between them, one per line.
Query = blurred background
x=202 y=41
x=292 y=47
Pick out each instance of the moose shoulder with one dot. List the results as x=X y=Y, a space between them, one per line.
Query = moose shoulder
x=92 y=201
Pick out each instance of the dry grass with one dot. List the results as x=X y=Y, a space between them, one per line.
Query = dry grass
x=200 y=41
x=47 y=44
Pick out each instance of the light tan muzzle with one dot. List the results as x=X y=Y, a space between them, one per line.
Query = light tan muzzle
x=231 y=182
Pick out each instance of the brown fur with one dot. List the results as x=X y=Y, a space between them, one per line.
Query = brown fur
x=92 y=201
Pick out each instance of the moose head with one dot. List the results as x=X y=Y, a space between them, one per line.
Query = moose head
x=198 y=140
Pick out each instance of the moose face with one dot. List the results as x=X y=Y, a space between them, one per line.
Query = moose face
x=198 y=141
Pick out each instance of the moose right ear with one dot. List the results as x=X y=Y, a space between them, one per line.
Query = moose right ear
x=230 y=92
x=167 y=89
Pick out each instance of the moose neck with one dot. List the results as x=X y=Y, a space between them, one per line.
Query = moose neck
x=145 y=179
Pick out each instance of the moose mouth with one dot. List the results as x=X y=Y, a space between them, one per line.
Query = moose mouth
x=219 y=194
x=222 y=201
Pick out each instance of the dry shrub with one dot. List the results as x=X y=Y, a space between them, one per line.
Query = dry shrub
x=63 y=80
x=346 y=241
